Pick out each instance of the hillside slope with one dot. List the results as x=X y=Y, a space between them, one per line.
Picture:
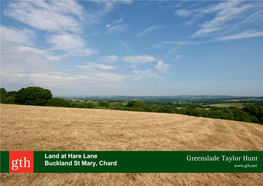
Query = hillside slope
x=33 y=128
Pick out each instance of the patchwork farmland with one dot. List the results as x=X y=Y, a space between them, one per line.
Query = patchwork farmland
x=33 y=128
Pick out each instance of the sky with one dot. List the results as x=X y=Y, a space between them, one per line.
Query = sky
x=135 y=48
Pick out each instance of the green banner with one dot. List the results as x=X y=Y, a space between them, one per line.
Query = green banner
x=140 y=162
x=4 y=163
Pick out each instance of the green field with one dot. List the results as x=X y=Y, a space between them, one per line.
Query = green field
x=238 y=105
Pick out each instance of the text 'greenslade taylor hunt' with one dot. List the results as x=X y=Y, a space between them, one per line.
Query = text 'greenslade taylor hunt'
x=222 y=158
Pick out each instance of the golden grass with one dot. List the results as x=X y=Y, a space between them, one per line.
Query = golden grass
x=32 y=128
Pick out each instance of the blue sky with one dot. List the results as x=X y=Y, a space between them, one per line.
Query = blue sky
x=133 y=47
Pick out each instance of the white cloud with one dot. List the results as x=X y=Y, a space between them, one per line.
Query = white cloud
x=148 y=30
x=11 y=78
x=51 y=80
x=245 y=34
x=54 y=58
x=139 y=59
x=94 y=66
x=71 y=43
x=177 y=57
x=183 y=13
x=125 y=46
x=118 y=21
x=227 y=11
x=126 y=1
x=52 y=16
x=158 y=46
x=85 y=78
x=165 y=44
x=67 y=42
x=110 y=59
x=172 y=50
x=24 y=66
x=178 y=45
x=146 y=74
x=15 y=35
x=107 y=6
x=94 y=79
x=108 y=77
x=23 y=59
x=116 y=29
x=100 y=76
x=31 y=50
x=47 y=80
x=252 y=18
x=161 y=66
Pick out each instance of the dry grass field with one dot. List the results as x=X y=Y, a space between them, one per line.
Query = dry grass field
x=32 y=128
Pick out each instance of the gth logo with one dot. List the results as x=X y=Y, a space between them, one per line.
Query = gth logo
x=21 y=161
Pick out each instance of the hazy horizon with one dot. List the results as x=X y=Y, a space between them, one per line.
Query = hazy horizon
x=156 y=96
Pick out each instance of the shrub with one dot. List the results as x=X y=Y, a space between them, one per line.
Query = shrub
x=2 y=91
x=136 y=104
x=104 y=104
x=58 y=102
x=33 y=96
x=90 y=105
x=77 y=105
x=117 y=107
x=8 y=97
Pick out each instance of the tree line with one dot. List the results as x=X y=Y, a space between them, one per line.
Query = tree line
x=43 y=97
